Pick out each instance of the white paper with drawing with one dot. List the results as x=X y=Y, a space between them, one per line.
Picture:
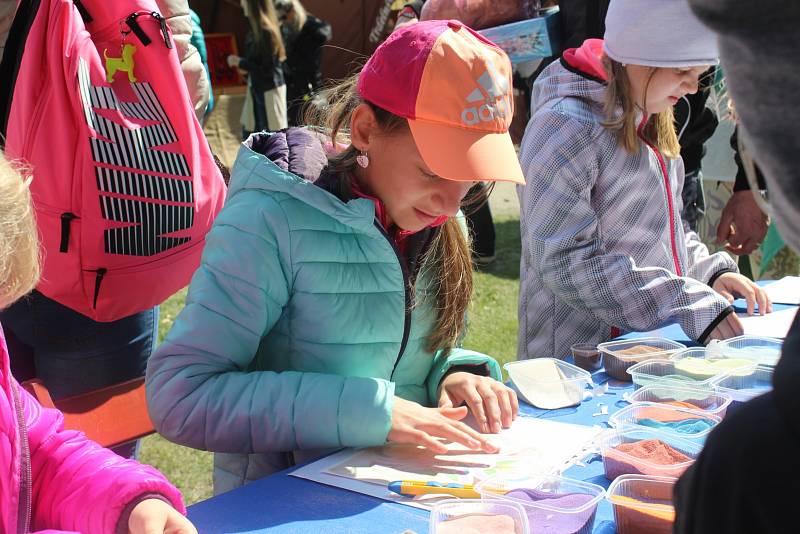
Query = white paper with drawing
x=531 y=445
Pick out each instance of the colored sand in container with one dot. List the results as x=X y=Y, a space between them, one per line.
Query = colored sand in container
x=702 y=368
x=638 y=349
x=552 y=522
x=687 y=426
x=478 y=524
x=664 y=415
x=647 y=457
x=681 y=404
x=634 y=518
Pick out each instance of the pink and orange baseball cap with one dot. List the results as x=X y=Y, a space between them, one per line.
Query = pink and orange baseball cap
x=454 y=88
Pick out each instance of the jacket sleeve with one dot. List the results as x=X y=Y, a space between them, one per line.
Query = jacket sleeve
x=201 y=388
x=79 y=485
x=565 y=249
x=442 y=363
x=701 y=265
x=176 y=13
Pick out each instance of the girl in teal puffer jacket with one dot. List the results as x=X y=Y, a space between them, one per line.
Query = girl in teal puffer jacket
x=332 y=291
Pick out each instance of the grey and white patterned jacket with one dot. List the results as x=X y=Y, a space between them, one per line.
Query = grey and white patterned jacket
x=604 y=249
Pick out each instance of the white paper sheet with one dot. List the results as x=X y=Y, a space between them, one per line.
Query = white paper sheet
x=775 y=324
x=784 y=291
x=531 y=446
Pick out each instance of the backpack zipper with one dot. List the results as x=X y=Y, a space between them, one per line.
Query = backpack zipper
x=668 y=192
x=98 y=279
x=408 y=299
x=66 y=220
x=136 y=28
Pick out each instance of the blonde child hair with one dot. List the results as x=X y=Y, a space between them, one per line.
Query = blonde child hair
x=19 y=243
x=660 y=128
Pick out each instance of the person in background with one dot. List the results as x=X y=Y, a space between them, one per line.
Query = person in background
x=331 y=299
x=603 y=247
x=198 y=41
x=747 y=477
x=304 y=36
x=265 y=102
x=409 y=14
x=51 y=478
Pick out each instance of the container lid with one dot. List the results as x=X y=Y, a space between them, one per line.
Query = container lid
x=566 y=371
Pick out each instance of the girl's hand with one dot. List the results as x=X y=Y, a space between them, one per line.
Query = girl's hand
x=732 y=285
x=493 y=405
x=154 y=516
x=729 y=327
x=233 y=60
x=418 y=425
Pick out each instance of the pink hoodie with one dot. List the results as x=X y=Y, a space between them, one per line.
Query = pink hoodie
x=58 y=480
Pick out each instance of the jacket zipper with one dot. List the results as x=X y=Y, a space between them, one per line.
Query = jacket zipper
x=668 y=191
x=25 y=506
x=408 y=300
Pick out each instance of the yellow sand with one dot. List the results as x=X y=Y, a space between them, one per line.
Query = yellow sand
x=660 y=511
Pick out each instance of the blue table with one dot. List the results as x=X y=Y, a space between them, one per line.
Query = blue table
x=285 y=504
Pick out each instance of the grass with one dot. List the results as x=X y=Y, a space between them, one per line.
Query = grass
x=493 y=330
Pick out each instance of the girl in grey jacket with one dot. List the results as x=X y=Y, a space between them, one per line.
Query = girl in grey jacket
x=603 y=247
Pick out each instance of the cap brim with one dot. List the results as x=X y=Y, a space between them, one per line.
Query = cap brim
x=467 y=155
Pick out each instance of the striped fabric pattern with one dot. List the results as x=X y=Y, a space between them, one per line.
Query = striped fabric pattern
x=595 y=228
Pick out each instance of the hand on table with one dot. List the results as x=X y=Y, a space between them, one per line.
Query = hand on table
x=742 y=225
x=154 y=516
x=733 y=285
x=493 y=404
x=729 y=327
x=415 y=424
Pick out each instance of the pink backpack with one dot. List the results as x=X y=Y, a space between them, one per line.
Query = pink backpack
x=125 y=187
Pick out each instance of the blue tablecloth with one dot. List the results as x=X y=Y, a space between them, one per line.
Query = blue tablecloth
x=285 y=504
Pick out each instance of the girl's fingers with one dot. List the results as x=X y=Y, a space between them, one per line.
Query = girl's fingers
x=475 y=403
x=512 y=396
x=492 y=408
x=418 y=437
x=506 y=410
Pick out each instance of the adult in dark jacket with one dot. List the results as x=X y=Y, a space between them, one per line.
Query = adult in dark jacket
x=304 y=36
x=265 y=105
x=748 y=475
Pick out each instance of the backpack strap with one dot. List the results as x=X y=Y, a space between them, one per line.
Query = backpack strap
x=12 y=58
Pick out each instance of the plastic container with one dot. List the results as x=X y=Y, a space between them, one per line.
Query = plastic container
x=586 y=356
x=617 y=363
x=744 y=388
x=553 y=504
x=708 y=401
x=664 y=373
x=703 y=364
x=617 y=462
x=454 y=516
x=642 y=504
x=764 y=351
x=655 y=416
x=548 y=383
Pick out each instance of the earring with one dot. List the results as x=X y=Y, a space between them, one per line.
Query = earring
x=362 y=160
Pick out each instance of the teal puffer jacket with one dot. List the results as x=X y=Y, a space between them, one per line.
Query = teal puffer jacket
x=292 y=331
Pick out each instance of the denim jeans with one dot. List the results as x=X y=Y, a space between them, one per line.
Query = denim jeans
x=72 y=353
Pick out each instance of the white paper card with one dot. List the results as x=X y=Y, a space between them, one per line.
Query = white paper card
x=775 y=324
x=784 y=291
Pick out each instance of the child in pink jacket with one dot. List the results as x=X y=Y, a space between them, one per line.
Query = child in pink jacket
x=50 y=478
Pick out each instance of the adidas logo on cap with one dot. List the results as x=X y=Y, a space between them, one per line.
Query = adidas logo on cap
x=491 y=91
